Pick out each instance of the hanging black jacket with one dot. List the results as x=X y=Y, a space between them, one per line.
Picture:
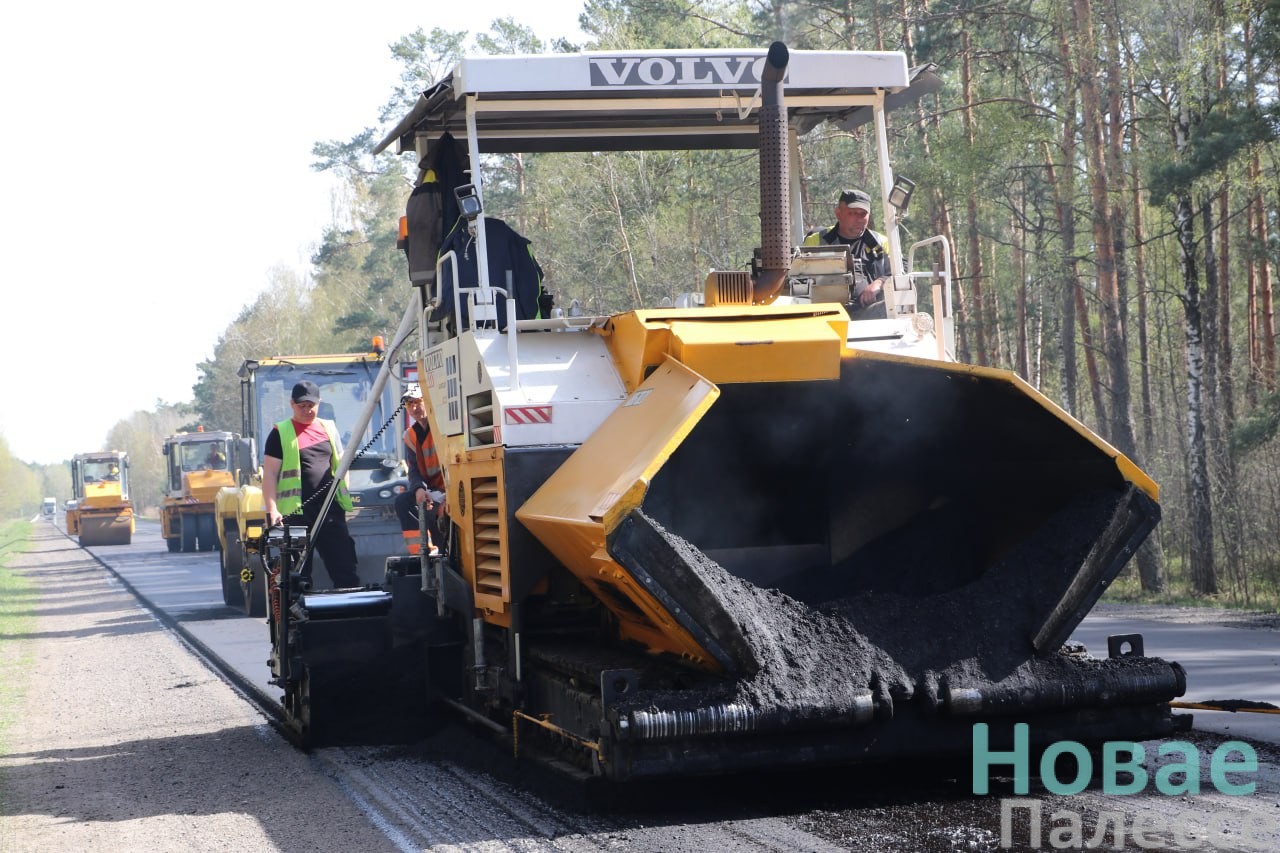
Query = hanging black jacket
x=510 y=254
x=433 y=207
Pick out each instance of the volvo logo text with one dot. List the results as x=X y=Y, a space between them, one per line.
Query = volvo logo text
x=676 y=70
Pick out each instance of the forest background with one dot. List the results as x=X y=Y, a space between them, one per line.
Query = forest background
x=1106 y=172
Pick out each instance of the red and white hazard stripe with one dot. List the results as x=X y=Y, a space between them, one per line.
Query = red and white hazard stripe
x=518 y=415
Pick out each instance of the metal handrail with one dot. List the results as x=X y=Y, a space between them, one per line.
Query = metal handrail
x=946 y=268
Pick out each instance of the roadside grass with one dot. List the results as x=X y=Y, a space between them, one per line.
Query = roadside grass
x=1260 y=595
x=16 y=619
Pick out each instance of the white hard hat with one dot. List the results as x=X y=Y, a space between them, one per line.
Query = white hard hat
x=411 y=392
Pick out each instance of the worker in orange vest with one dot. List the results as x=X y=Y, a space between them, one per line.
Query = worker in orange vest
x=426 y=480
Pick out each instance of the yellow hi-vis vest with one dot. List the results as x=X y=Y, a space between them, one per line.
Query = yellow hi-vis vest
x=289 y=488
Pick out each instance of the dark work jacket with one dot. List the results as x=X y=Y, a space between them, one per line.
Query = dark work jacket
x=508 y=252
x=433 y=207
x=424 y=212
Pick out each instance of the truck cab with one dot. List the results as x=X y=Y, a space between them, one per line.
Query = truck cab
x=370 y=422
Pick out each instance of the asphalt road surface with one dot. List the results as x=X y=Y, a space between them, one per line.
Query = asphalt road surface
x=454 y=790
x=1224 y=660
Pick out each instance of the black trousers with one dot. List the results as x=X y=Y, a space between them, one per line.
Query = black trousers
x=407 y=512
x=334 y=544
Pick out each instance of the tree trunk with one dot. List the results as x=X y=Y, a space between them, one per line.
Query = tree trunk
x=1119 y=427
x=1064 y=191
x=1090 y=350
x=1262 y=347
x=624 y=239
x=941 y=217
x=1200 y=512
x=1075 y=311
x=1208 y=327
x=1232 y=511
x=1253 y=379
x=975 y=247
x=1226 y=361
x=1000 y=355
x=1140 y=283
x=1036 y=344
x=1150 y=558
x=1199 y=508
x=1266 y=314
x=1220 y=380
x=1022 y=362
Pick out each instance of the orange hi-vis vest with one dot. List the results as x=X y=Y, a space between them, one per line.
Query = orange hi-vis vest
x=425 y=455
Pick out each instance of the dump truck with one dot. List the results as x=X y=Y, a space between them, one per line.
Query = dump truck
x=376 y=477
x=744 y=531
x=197 y=465
x=102 y=514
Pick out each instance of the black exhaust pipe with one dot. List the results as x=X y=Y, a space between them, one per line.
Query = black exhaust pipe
x=775 y=207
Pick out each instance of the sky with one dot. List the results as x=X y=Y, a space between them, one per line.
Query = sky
x=156 y=167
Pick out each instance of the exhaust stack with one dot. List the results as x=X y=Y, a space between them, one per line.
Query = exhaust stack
x=775 y=167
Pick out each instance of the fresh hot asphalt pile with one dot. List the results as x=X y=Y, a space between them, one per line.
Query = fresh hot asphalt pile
x=822 y=658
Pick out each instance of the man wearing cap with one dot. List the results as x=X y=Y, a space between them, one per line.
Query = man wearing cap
x=869 y=249
x=426 y=480
x=299 y=461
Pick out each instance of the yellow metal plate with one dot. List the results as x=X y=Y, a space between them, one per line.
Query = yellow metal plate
x=748 y=343
x=574 y=511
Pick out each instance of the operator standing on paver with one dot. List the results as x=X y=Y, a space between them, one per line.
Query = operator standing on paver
x=300 y=458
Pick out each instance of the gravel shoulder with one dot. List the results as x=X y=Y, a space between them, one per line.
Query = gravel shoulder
x=122 y=739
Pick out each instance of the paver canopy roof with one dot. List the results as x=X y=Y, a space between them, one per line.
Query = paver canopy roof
x=638 y=100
